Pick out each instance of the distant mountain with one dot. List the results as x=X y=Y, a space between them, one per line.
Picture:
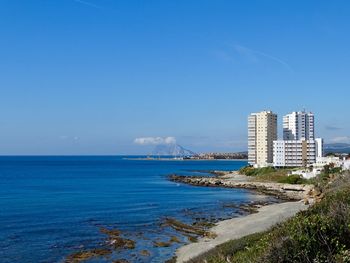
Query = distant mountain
x=337 y=148
x=172 y=149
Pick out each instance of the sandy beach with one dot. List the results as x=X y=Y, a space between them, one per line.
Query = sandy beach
x=235 y=228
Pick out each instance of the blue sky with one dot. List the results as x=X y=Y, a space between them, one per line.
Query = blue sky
x=88 y=77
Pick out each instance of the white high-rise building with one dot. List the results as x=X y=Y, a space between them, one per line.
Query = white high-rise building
x=319 y=147
x=262 y=131
x=299 y=146
x=296 y=153
x=298 y=126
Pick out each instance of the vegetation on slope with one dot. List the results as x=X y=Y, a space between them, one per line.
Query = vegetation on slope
x=271 y=174
x=319 y=234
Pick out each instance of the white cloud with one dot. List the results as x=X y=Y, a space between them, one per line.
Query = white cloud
x=155 y=140
x=341 y=139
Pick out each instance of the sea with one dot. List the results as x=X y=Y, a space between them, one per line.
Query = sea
x=54 y=206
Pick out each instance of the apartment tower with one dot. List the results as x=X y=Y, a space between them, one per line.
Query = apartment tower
x=299 y=147
x=298 y=126
x=262 y=131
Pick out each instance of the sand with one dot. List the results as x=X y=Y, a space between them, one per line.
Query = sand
x=235 y=228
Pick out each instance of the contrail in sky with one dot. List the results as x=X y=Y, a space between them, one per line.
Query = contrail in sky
x=252 y=54
x=87 y=3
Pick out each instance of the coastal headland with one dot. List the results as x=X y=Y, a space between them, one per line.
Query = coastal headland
x=296 y=198
x=291 y=192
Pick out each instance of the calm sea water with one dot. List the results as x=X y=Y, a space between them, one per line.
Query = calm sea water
x=51 y=207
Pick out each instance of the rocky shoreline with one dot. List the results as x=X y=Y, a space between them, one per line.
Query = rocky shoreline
x=287 y=192
x=295 y=197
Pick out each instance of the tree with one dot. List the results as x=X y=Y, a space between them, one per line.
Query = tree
x=326 y=169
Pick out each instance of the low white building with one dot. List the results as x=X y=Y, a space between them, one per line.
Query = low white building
x=346 y=164
x=296 y=153
x=318 y=166
x=305 y=173
x=322 y=161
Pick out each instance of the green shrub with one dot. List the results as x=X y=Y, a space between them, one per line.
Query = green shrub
x=228 y=249
x=330 y=169
x=293 y=179
x=251 y=171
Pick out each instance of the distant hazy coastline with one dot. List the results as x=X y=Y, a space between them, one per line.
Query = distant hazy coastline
x=178 y=159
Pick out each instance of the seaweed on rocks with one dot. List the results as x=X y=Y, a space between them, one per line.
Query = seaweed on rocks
x=87 y=254
x=187 y=229
x=110 y=232
x=116 y=241
x=172 y=240
x=162 y=244
x=249 y=208
x=191 y=238
x=121 y=261
x=145 y=253
x=202 y=223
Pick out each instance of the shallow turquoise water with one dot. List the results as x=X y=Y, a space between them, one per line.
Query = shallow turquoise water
x=53 y=206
